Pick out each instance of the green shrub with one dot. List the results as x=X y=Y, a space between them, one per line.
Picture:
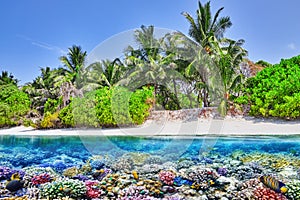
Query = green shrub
x=140 y=104
x=275 y=91
x=119 y=106
x=5 y=120
x=52 y=105
x=14 y=105
x=105 y=112
x=84 y=111
x=50 y=121
x=66 y=116
x=106 y=107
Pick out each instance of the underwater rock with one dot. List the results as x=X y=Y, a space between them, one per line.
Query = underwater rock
x=123 y=164
x=184 y=164
x=33 y=193
x=153 y=160
x=97 y=164
x=80 y=177
x=243 y=172
x=71 y=172
x=150 y=169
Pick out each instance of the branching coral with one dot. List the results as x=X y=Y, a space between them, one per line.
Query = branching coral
x=293 y=192
x=41 y=178
x=167 y=177
x=267 y=194
x=62 y=188
x=93 y=189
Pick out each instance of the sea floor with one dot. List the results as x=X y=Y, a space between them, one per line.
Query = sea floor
x=136 y=168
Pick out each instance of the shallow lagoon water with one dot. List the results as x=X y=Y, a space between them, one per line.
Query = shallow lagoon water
x=242 y=158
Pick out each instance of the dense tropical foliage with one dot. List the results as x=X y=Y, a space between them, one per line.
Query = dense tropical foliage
x=14 y=104
x=171 y=72
x=275 y=91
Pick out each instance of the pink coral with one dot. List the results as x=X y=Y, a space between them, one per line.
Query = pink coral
x=263 y=193
x=41 y=178
x=167 y=177
x=93 y=190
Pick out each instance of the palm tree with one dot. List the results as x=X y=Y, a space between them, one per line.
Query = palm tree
x=204 y=29
x=74 y=79
x=6 y=78
x=104 y=73
x=229 y=54
x=205 y=25
x=73 y=64
x=43 y=86
x=148 y=44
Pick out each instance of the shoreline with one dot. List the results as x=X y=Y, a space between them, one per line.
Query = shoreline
x=243 y=126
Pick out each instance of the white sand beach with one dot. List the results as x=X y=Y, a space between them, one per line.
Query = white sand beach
x=208 y=127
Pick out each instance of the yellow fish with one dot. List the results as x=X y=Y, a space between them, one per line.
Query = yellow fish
x=135 y=175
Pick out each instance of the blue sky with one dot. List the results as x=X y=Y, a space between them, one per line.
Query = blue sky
x=36 y=33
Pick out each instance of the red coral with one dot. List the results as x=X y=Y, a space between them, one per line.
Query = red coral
x=41 y=178
x=93 y=190
x=263 y=193
x=167 y=177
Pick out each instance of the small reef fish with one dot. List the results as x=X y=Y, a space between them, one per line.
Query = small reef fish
x=135 y=175
x=274 y=184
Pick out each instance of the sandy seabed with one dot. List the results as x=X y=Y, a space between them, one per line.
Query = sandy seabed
x=208 y=127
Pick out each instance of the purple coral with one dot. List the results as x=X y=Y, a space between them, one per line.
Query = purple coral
x=222 y=171
x=6 y=172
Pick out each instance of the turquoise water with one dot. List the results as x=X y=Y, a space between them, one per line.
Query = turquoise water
x=37 y=149
x=241 y=158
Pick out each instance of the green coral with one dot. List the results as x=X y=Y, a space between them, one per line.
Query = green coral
x=63 y=188
x=293 y=192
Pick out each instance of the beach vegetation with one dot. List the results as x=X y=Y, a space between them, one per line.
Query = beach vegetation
x=14 y=105
x=274 y=91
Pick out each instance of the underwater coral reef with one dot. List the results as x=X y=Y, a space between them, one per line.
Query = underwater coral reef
x=228 y=171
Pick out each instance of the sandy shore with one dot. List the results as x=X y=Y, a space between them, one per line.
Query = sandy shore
x=226 y=127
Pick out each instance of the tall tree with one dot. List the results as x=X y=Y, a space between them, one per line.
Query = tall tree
x=204 y=29
x=151 y=64
x=205 y=25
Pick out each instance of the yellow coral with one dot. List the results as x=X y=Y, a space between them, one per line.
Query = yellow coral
x=70 y=172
